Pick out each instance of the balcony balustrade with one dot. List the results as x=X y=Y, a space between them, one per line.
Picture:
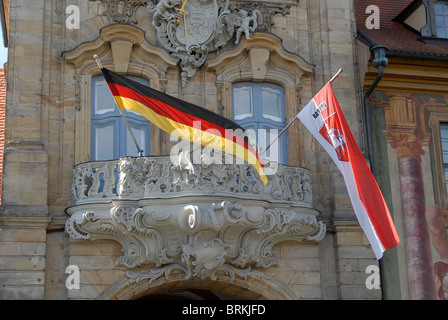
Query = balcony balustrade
x=204 y=219
x=159 y=177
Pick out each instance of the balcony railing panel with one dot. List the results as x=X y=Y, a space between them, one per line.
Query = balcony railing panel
x=159 y=177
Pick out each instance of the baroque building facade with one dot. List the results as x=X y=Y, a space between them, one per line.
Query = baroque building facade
x=84 y=216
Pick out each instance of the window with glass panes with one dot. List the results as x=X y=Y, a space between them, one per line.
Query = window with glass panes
x=110 y=136
x=441 y=14
x=444 y=139
x=261 y=107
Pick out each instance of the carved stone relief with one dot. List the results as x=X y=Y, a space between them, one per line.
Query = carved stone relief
x=266 y=10
x=154 y=177
x=204 y=26
x=200 y=239
x=122 y=11
x=199 y=219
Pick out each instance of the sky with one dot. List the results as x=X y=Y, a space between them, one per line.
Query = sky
x=3 y=50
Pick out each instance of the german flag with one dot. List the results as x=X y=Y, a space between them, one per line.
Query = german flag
x=188 y=121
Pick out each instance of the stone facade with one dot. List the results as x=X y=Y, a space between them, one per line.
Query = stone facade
x=299 y=44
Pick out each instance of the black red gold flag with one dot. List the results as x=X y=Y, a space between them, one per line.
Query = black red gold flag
x=196 y=124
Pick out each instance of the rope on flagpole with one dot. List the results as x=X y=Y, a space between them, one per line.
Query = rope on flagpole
x=140 y=151
x=295 y=118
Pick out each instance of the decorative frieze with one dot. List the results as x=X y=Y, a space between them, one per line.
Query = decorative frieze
x=154 y=177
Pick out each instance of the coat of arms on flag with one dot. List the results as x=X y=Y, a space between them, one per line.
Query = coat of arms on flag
x=332 y=132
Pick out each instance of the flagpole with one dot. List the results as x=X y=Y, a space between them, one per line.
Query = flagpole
x=140 y=151
x=295 y=118
x=336 y=75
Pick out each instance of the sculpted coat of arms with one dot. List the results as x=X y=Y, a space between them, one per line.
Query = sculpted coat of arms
x=190 y=29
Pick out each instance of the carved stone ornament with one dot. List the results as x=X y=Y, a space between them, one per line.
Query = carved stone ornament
x=202 y=27
x=199 y=240
x=199 y=219
x=122 y=11
x=267 y=10
x=160 y=177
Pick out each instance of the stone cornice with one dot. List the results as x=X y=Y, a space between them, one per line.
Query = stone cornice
x=82 y=56
x=24 y=221
x=411 y=75
x=260 y=40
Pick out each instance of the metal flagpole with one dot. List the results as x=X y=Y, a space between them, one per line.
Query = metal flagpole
x=140 y=151
x=295 y=118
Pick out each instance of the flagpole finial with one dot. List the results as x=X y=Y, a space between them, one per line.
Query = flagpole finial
x=95 y=56
x=336 y=75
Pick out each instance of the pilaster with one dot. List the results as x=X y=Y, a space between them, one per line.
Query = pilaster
x=405 y=133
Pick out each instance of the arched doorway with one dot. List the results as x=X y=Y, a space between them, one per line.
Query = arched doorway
x=177 y=288
x=187 y=294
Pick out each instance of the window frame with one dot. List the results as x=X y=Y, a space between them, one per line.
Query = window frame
x=444 y=164
x=120 y=130
x=441 y=193
x=429 y=31
x=444 y=5
x=263 y=122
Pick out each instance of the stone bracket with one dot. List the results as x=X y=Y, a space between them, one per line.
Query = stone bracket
x=201 y=239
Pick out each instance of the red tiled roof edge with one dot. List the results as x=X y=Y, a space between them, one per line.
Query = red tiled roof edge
x=2 y=122
x=400 y=40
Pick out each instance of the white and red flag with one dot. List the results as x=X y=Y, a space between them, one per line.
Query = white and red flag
x=323 y=117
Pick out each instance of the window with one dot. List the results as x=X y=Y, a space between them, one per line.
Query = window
x=444 y=140
x=261 y=107
x=441 y=15
x=110 y=136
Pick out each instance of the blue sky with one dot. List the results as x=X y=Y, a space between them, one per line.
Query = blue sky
x=3 y=50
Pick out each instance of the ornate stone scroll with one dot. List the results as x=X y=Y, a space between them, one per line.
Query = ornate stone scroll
x=199 y=239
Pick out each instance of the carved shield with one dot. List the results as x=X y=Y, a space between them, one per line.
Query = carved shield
x=200 y=22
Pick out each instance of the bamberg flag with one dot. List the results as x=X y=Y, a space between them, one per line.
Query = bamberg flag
x=323 y=117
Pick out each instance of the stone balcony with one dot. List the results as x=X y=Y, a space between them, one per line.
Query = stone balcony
x=201 y=219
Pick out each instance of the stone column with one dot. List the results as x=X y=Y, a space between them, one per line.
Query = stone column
x=24 y=215
x=405 y=134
